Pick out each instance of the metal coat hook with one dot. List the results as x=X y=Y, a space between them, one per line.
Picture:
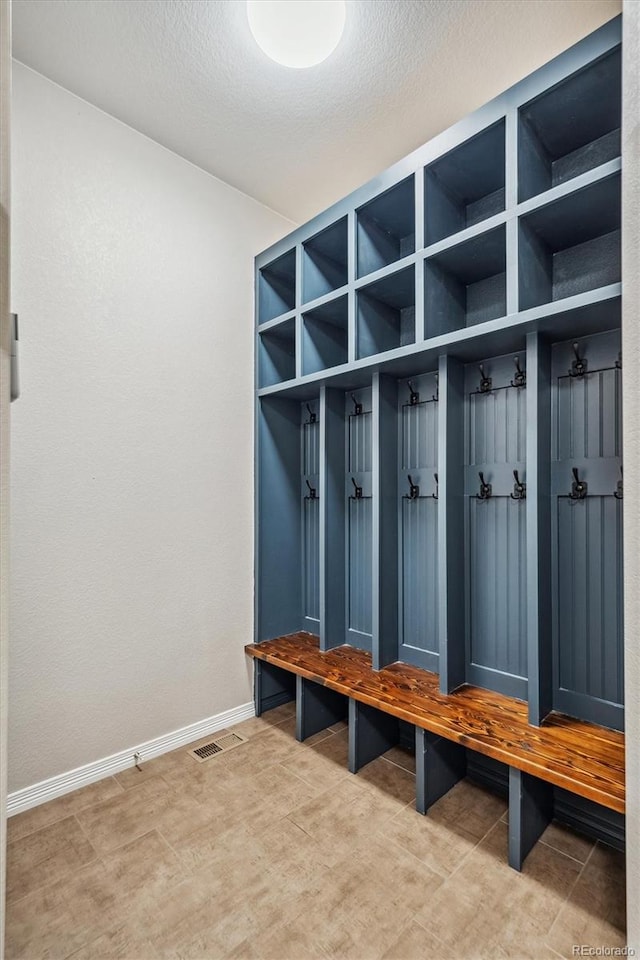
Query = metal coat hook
x=414 y=396
x=578 y=487
x=357 y=491
x=618 y=363
x=618 y=492
x=579 y=365
x=312 y=415
x=519 y=489
x=486 y=383
x=520 y=379
x=436 y=395
x=414 y=490
x=313 y=494
x=435 y=495
x=485 y=488
x=357 y=407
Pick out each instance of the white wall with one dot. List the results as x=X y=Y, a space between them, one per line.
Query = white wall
x=5 y=114
x=631 y=440
x=132 y=474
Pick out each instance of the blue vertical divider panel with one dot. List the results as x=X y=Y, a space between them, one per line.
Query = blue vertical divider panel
x=359 y=511
x=418 y=521
x=311 y=515
x=587 y=529
x=496 y=569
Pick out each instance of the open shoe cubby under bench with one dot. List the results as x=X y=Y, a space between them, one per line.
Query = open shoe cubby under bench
x=581 y=758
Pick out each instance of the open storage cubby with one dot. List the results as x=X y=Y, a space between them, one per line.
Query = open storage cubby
x=495 y=422
x=418 y=526
x=324 y=261
x=466 y=284
x=277 y=354
x=465 y=186
x=277 y=287
x=572 y=245
x=386 y=228
x=587 y=491
x=386 y=314
x=571 y=128
x=325 y=336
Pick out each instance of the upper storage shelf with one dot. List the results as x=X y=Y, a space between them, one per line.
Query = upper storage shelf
x=571 y=128
x=277 y=287
x=572 y=245
x=466 y=185
x=324 y=263
x=506 y=224
x=386 y=228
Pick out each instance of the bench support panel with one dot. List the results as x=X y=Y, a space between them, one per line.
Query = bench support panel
x=530 y=812
x=371 y=733
x=272 y=686
x=317 y=708
x=440 y=764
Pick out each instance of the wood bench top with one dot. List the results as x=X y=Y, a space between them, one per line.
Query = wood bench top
x=580 y=757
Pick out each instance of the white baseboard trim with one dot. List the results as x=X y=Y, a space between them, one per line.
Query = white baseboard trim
x=63 y=783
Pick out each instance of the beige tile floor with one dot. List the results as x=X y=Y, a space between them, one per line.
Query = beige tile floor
x=273 y=851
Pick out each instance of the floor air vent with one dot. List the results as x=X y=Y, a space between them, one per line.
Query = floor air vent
x=226 y=742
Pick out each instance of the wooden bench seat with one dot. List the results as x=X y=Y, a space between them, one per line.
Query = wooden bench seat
x=579 y=757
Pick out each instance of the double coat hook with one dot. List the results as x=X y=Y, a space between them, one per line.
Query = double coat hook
x=485 y=488
x=579 y=487
x=519 y=489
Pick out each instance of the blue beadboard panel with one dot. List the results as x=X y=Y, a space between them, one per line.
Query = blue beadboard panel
x=310 y=515
x=589 y=415
x=498 y=585
x=587 y=534
x=359 y=513
x=496 y=529
x=497 y=422
x=590 y=597
x=419 y=577
x=418 y=522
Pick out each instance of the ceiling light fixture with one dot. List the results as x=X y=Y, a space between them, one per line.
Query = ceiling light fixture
x=297 y=33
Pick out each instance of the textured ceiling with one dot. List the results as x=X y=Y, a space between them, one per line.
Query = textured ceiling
x=188 y=74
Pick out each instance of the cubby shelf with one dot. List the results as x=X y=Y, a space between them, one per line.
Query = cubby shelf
x=325 y=336
x=466 y=284
x=324 y=263
x=571 y=128
x=465 y=186
x=276 y=292
x=277 y=354
x=386 y=315
x=572 y=245
x=386 y=228
x=459 y=330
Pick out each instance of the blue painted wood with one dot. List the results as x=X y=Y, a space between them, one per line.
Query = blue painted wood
x=279 y=531
x=418 y=523
x=310 y=436
x=317 y=707
x=440 y=764
x=539 y=621
x=325 y=336
x=272 y=686
x=332 y=519
x=587 y=535
x=495 y=539
x=530 y=812
x=325 y=261
x=451 y=584
x=385 y=525
x=359 y=513
x=371 y=733
x=386 y=228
